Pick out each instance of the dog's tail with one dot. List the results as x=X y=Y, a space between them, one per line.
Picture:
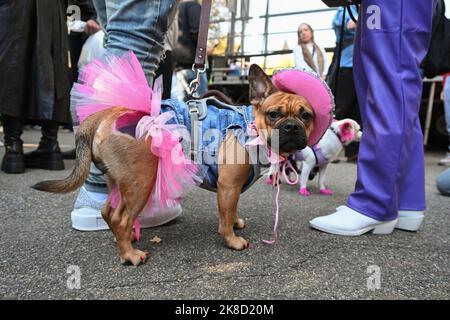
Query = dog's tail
x=83 y=143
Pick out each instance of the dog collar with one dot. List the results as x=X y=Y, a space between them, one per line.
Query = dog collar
x=338 y=135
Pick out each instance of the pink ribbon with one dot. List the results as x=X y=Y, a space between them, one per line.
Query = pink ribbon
x=278 y=164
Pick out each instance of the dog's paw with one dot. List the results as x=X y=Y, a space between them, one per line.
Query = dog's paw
x=134 y=257
x=304 y=192
x=326 y=192
x=237 y=243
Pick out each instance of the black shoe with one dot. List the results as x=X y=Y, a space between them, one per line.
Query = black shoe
x=336 y=160
x=352 y=159
x=48 y=155
x=69 y=154
x=13 y=159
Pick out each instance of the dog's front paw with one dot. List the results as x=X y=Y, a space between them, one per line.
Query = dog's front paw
x=237 y=243
x=135 y=257
x=326 y=192
x=304 y=192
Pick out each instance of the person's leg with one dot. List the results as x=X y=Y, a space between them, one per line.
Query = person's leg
x=139 y=26
x=48 y=154
x=447 y=107
x=392 y=40
x=76 y=42
x=411 y=173
x=131 y=25
x=12 y=161
x=134 y=25
x=446 y=160
x=391 y=57
x=166 y=70
x=443 y=183
x=345 y=95
x=100 y=9
x=347 y=105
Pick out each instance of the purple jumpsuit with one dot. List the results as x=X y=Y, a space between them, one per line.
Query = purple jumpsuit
x=392 y=40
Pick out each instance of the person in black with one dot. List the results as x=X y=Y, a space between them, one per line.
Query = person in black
x=184 y=52
x=34 y=79
x=345 y=95
x=77 y=39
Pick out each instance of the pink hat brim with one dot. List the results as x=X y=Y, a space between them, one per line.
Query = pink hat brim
x=315 y=90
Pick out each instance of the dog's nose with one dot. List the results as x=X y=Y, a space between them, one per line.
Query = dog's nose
x=288 y=128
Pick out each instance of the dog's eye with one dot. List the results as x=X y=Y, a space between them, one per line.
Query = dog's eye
x=273 y=115
x=306 y=116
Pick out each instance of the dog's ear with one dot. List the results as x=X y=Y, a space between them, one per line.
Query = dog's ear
x=347 y=131
x=260 y=85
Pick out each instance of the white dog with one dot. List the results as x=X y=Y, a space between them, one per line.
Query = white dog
x=341 y=133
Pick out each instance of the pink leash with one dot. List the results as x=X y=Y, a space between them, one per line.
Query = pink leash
x=137 y=229
x=285 y=164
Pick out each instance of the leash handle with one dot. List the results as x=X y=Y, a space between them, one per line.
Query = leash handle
x=199 y=65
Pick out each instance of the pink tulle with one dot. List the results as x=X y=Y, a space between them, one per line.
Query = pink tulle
x=110 y=82
x=119 y=81
x=176 y=175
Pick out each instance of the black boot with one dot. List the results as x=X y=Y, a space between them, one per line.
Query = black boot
x=48 y=155
x=13 y=159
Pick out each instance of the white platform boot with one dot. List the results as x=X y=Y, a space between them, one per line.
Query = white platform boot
x=348 y=222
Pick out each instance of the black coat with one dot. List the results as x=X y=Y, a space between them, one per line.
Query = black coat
x=34 y=71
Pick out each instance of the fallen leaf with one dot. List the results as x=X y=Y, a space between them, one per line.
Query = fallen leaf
x=156 y=239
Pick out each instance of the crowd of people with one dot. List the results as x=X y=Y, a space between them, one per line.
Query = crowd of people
x=36 y=76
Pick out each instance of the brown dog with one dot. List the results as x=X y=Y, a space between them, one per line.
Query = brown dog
x=130 y=166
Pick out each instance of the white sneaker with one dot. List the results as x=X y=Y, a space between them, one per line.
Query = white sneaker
x=87 y=216
x=348 y=222
x=407 y=220
x=445 y=161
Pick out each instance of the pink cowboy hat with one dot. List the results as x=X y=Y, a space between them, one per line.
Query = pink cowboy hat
x=315 y=90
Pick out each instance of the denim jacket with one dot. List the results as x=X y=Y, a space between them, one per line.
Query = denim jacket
x=218 y=120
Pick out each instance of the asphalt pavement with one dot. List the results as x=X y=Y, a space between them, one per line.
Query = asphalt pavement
x=42 y=257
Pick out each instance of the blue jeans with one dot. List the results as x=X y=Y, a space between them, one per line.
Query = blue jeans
x=447 y=108
x=138 y=25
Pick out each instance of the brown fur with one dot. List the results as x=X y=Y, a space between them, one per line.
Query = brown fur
x=132 y=167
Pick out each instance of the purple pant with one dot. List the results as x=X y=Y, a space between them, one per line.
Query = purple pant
x=391 y=42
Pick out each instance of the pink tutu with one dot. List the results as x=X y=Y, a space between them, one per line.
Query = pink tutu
x=119 y=81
